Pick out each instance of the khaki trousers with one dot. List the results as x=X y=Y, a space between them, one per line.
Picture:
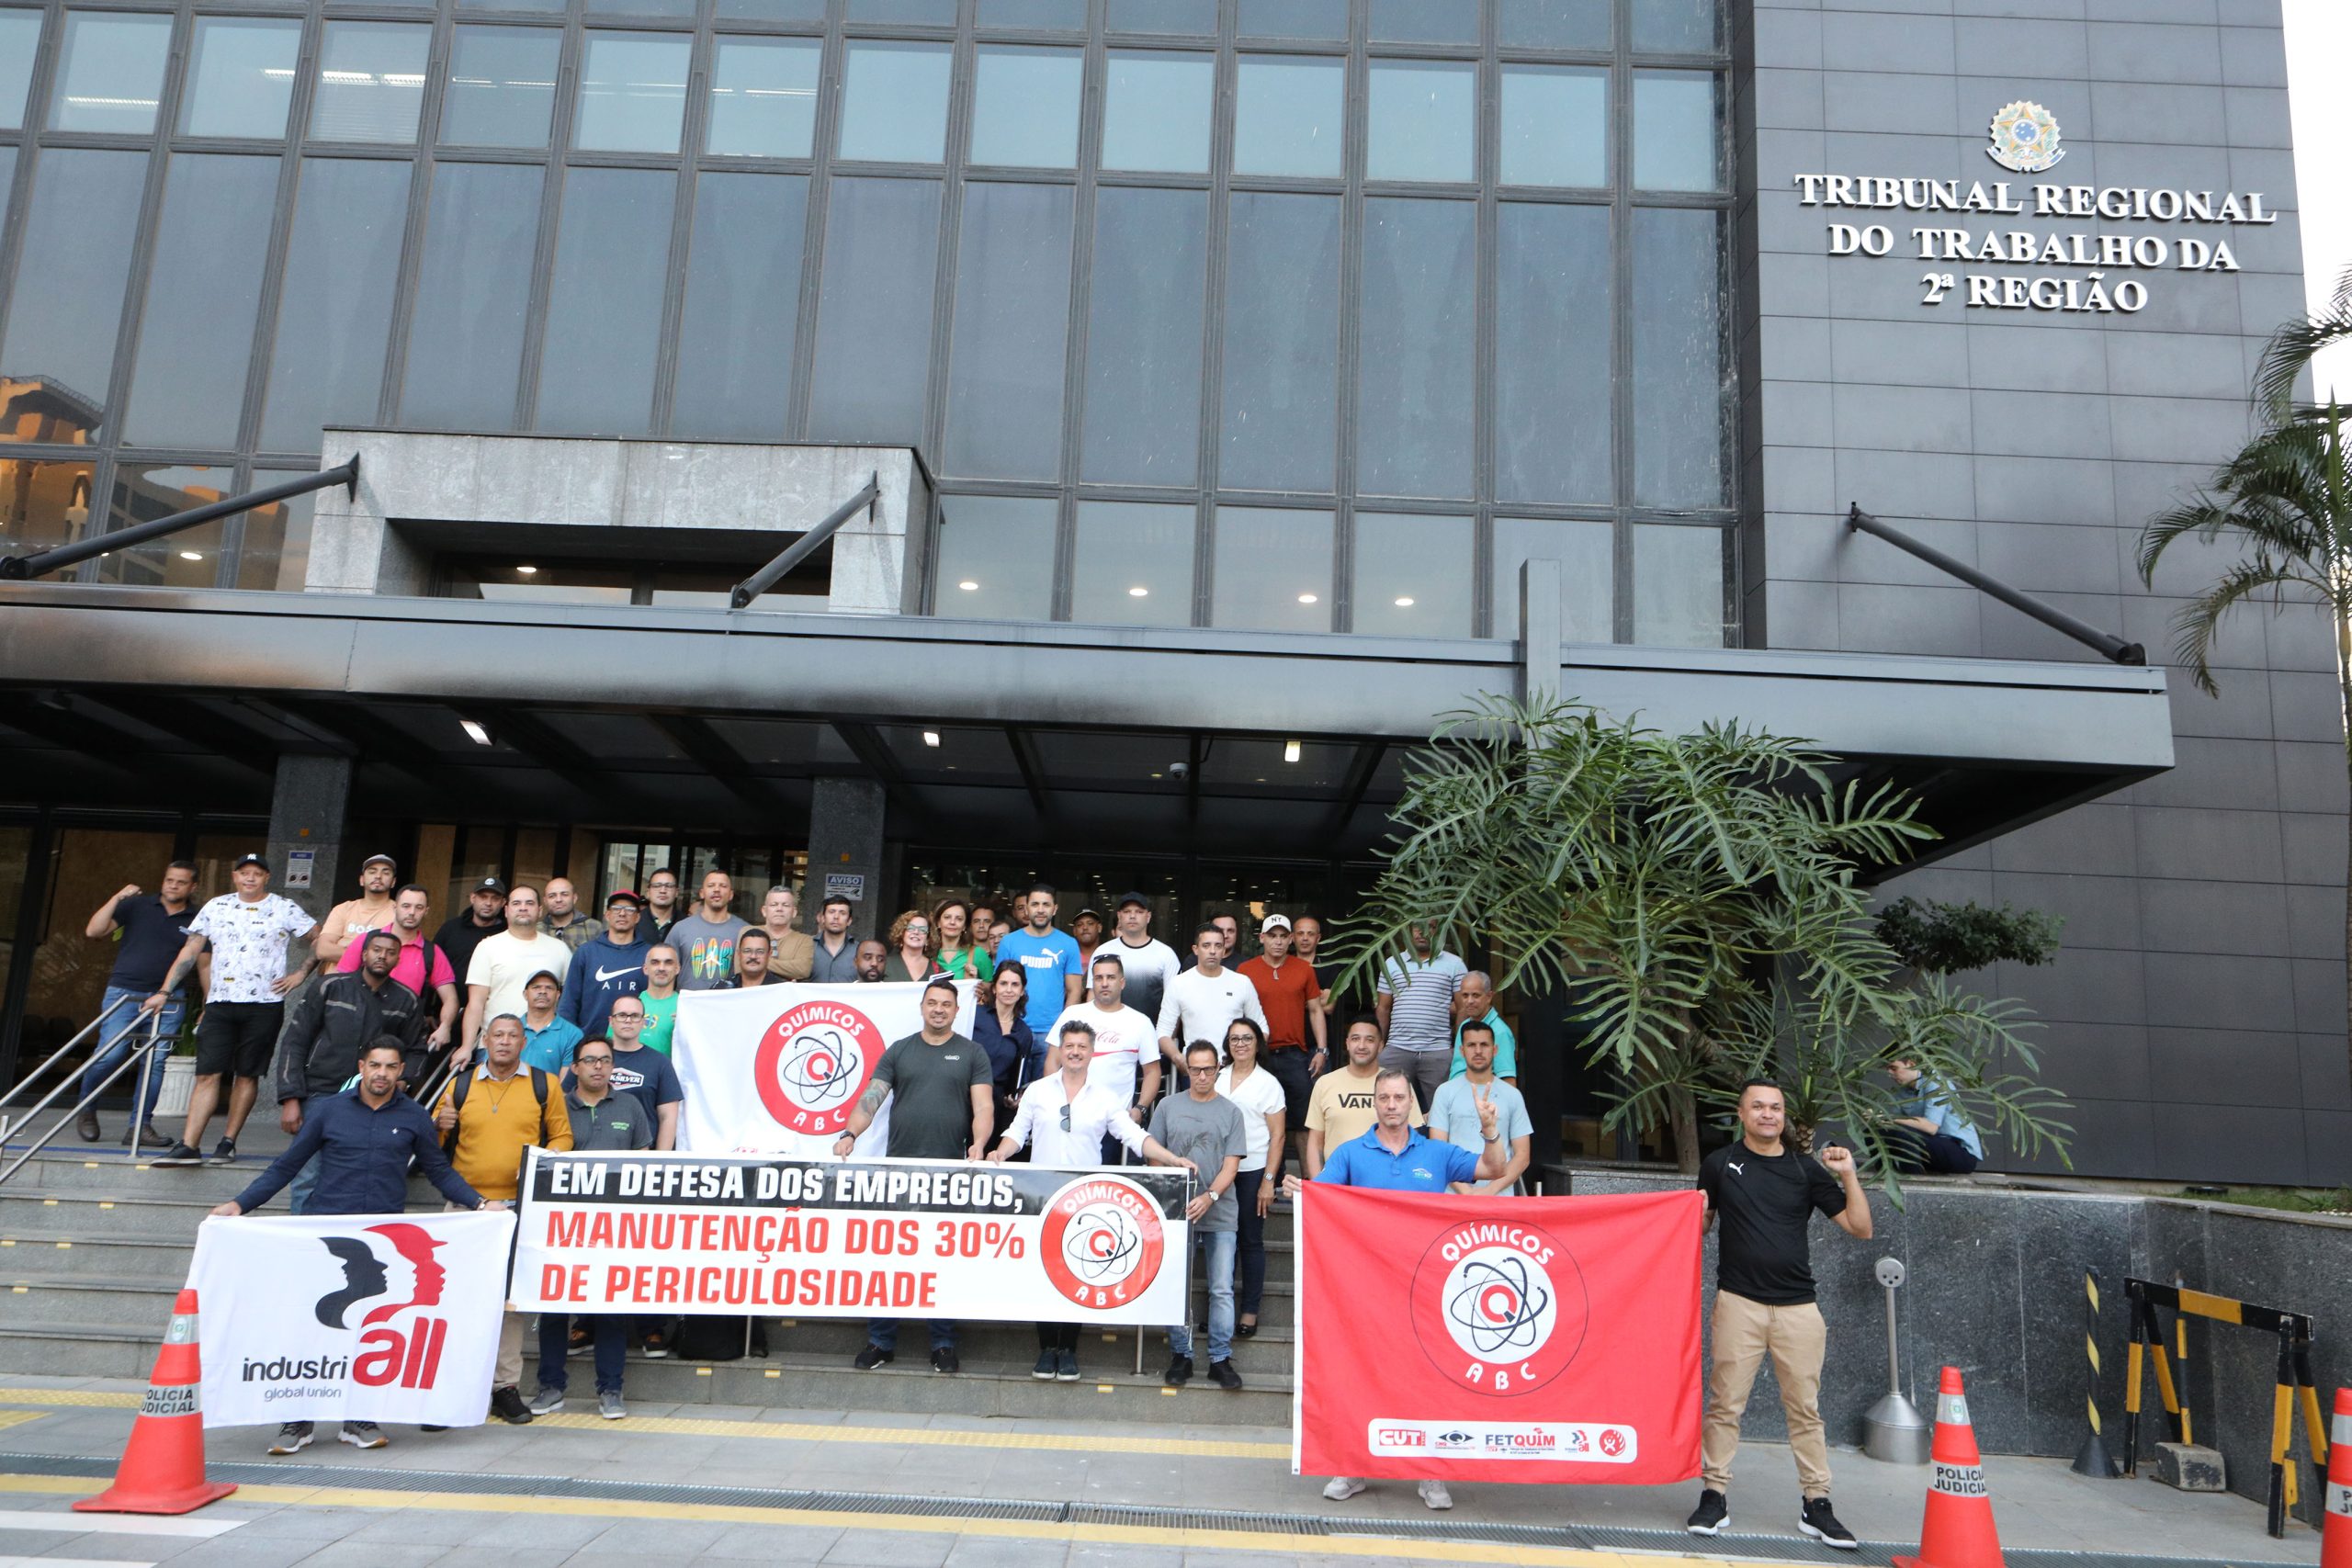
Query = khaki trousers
x=1796 y=1338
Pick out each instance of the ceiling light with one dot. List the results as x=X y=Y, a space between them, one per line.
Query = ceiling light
x=1139 y=592
x=1306 y=598
x=1290 y=751
x=1406 y=603
x=191 y=555
x=968 y=586
x=528 y=571
x=475 y=732
x=931 y=738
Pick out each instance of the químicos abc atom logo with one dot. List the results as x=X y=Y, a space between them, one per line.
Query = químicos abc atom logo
x=1499 y=1307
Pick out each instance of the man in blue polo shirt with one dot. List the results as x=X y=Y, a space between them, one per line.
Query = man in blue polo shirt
x=1397 y=1157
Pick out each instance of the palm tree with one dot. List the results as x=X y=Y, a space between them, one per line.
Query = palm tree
x=1697 y=900
x=2285 y=501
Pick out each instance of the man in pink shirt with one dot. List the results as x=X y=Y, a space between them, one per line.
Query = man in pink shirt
x=410 y=906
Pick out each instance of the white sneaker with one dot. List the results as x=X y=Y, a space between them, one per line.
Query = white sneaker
x=1434 y=1494
x=1342 y=1487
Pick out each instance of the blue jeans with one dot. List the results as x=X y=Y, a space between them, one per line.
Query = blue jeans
x=1218 y=1246
x=611 y=1331
x=884 y=1332
x=119 y=1010
x=306 y=1180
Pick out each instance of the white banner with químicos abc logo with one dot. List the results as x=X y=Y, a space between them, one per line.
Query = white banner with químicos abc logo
x=779 y=1068
x=350 y=1317
x=772 y=1235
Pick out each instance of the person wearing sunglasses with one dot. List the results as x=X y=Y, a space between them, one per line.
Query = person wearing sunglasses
x=1063 y=1120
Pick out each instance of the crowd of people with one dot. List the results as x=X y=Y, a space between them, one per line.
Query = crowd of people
x=1092 y=1044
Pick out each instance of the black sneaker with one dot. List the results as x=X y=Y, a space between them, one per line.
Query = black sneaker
x=179 y=1154
x=223 y=1153
x=1066 y=1366
x=1180 y=1371
x=1224 y=1376
x=1819 y=1522
x=1711 y=1516
x=506 y=1403
x=873 y=1356
x=1047 y=1360
x=943 y=1360
x=87 y=1126
x=657 y=1346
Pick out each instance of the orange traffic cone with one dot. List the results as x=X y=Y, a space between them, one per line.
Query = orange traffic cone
x=2335 y=1533
x=162 y=1466
x=1957 y=1531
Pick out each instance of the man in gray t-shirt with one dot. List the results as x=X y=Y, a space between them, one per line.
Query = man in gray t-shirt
x=941 y=1094
x=705 y=936
x=1204 y=1129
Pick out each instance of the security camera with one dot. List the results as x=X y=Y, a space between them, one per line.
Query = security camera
x=1179 y=770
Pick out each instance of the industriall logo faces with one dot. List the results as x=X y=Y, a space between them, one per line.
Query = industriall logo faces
x=399 y=1343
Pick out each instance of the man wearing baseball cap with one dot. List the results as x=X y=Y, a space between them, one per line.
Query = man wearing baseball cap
x=483 y=916
x=1148 y=963
x=354 y=917
x=1297 y=1041
x=608 y=965
x=244 y=1008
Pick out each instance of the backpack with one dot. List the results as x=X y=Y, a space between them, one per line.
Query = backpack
x=459 y=1090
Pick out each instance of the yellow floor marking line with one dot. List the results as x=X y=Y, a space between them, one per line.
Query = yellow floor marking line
x=18 y=1417
x=913 y=1437
x=1370 y=1548
x=97 y=1398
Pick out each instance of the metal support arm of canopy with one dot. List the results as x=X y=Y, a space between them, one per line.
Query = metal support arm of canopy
x=2107 y=644
x=801 y=548
x=18 y=569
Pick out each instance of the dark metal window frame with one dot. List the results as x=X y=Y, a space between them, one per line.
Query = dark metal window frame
x=1065 y=489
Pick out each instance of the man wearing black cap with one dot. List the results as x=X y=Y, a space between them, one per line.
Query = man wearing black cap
x=1147 y=961
x=244 y=1007
x=608 y=965
x=484 y=915
x=1086 y=929
x=354 y=918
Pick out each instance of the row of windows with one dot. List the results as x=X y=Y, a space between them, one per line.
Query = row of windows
x=1142 y=380
x=1655 y=27
x=1288 y=112
x=1305 y=338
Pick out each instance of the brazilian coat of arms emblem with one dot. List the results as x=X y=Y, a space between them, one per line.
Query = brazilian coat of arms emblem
x=2025 y=137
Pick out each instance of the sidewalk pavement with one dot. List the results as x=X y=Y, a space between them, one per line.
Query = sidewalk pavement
x=545 y=1496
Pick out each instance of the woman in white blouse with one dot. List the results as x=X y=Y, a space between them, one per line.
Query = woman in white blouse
x=1259 y=1096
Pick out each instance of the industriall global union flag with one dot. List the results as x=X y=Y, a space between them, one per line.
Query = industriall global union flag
x=1474 y=1338
x=350 y=1317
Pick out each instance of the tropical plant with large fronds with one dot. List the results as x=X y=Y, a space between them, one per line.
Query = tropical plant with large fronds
x=1696 y=899
x=2284 y=506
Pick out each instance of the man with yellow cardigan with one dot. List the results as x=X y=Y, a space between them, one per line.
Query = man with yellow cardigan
x=489 y=1117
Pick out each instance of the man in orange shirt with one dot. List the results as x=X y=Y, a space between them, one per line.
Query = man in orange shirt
x=1293 y=1000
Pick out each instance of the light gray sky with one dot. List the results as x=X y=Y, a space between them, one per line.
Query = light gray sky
x=2319 y=66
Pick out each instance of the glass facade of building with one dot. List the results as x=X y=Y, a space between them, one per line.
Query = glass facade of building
x=1270 y=314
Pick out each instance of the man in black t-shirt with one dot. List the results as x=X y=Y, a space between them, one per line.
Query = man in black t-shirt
x=154 y=928
x=1765 y=1197
x=484 y=916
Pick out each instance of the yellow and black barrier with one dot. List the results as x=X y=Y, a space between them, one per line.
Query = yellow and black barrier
x=2295 y=1384
x=2092 y=1459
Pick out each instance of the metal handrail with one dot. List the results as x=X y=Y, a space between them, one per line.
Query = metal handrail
x=18 y=569
x=142 y=1057
x=2107 y=644
x=34 y=1076
x=800 y=549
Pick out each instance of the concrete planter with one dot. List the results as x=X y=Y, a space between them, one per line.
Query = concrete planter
x=179 y=1082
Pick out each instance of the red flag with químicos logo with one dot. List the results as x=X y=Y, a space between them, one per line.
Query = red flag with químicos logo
x=1473 y=1338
